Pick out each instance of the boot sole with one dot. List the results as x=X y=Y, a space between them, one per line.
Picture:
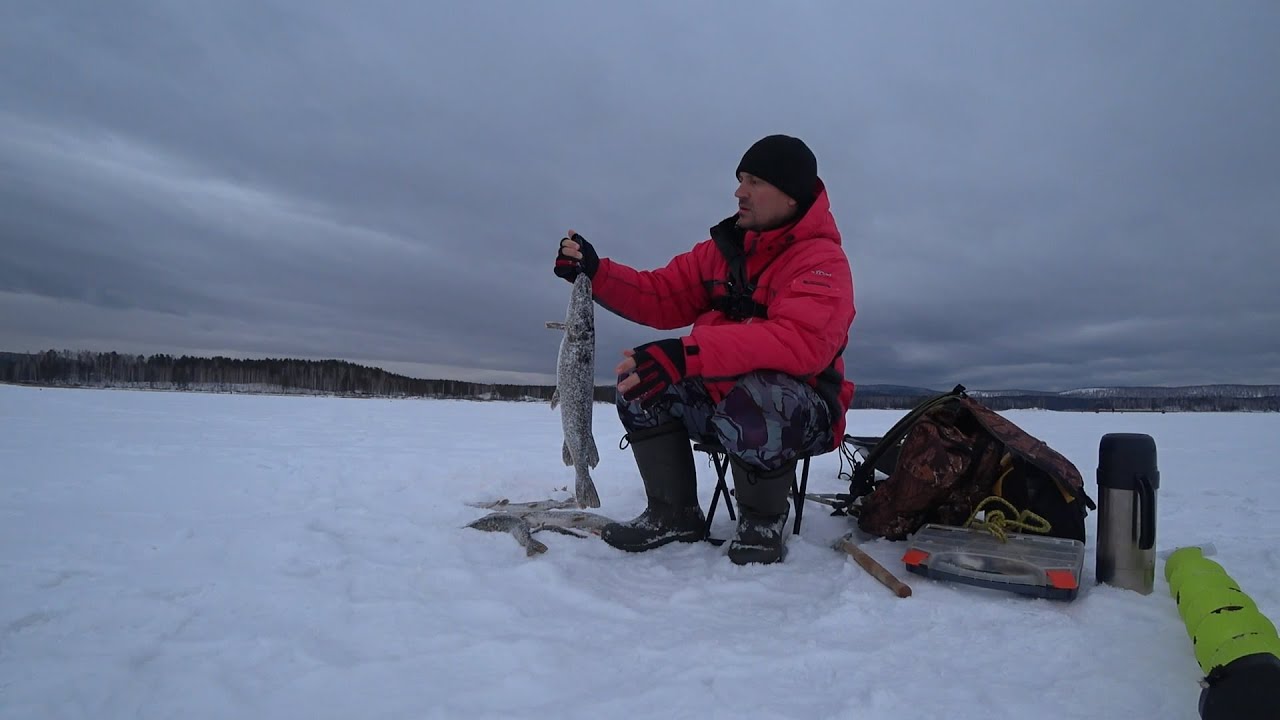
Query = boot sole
x=757 y=557
x=657 y=543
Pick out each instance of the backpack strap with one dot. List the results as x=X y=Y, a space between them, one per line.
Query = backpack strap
x=862 y=479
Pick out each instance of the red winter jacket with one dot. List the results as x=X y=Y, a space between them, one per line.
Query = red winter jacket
x=804 y=281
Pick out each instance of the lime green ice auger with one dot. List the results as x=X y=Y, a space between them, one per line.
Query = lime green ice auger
x=1235 y=644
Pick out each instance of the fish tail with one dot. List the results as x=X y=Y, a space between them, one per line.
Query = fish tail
x=584 y=490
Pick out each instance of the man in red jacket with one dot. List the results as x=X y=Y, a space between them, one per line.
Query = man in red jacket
x=770 y=300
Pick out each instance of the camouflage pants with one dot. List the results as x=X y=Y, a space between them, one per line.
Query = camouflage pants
x=767 y=420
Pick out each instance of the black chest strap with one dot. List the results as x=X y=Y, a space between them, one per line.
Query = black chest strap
x=737 y=303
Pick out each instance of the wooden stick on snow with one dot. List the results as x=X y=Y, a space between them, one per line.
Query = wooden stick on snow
x=875 y=569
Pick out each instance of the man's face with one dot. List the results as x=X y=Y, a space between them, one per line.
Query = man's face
x=761 y=206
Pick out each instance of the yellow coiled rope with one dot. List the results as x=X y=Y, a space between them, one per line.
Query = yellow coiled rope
x=1006 y=519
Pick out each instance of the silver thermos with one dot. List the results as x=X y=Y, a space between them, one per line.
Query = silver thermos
x=1127 y=485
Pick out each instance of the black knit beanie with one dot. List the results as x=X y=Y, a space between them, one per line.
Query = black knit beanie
x=787 y=164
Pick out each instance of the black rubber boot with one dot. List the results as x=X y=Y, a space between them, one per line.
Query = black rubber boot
x=763 y=507
x=664 y=456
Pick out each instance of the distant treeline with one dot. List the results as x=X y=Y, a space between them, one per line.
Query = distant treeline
x=338 y=377
x=222 y=374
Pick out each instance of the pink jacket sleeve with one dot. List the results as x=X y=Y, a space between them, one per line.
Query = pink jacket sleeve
x=667 y=298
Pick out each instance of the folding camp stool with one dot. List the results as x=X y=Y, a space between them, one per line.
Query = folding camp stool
x=720 y=457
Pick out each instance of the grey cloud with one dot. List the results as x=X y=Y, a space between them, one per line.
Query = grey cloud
x=1031 y=195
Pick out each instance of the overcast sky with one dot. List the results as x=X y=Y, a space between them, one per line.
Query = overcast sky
x=1032 y=194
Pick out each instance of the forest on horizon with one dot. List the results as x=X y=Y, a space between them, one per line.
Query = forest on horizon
x=83 y=368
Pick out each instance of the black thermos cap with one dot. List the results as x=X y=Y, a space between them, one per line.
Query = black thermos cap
x=1123 y=457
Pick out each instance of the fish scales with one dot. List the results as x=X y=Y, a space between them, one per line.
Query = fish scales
x=568 y=519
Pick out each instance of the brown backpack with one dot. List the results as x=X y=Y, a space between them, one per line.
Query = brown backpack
x=953 y=456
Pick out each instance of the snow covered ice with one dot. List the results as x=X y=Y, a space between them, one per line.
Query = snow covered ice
x=194 y=555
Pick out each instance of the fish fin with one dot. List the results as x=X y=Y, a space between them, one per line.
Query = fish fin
x=555 y=398
x=593 y=455
x=568 y=456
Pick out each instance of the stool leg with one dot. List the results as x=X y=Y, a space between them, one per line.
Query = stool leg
x=722 y=467
x=797 y=496
x=723 y=470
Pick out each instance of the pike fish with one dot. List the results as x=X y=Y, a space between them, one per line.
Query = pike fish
x=519 y=528
x=575 y=390
x=561 y=520
x=523 y=508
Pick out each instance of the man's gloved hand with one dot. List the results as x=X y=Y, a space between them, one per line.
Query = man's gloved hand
x=657 y=366
x=576 y=256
